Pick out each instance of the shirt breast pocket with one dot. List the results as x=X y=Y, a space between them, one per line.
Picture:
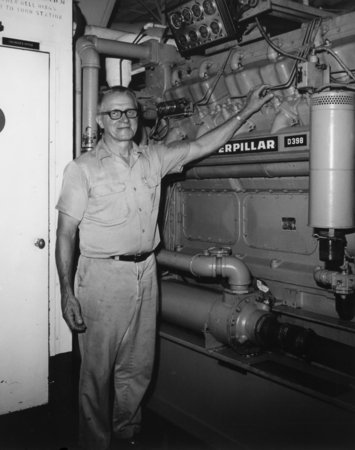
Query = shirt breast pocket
x=110 y=203
x=152 y=190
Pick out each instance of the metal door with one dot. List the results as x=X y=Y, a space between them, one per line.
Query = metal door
x=24 y=143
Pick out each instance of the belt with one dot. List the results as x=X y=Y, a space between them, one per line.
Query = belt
x=133 y=258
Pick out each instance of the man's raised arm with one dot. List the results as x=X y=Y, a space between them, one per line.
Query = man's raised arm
x=214 y=139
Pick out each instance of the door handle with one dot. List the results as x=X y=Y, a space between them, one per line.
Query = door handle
x=40 y=243
x=2 y=117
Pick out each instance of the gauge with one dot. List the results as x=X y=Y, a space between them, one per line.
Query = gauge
x=183 y=40
x=187 y=15
x=204 y=31
x=215 y=27
x=209 y=7
x=176 y=20
x=197 y=11
x=193 y=35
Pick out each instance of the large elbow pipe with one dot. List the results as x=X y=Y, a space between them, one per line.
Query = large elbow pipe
x=88 y=48
x=230 y=267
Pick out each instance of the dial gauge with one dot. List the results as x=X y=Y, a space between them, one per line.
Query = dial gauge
x=215 y=27
x=176 y=20
x=193 y=35
x=187 y=15
x=204 y=31
x=197 y=11
x=183 y=40
x=209 y=7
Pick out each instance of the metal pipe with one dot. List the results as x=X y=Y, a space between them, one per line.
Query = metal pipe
x=88 y=53
x=120 y=49
x=186 y=306
x=77 y=104
x=230 y=267
x=88 y=48
x=283 y=119
x=201 y=310
x=268 y=170
x=306 y=344
x=90 y=100
x=204 y=68
x=198 y=309
x=236 y=60
x=90 y=63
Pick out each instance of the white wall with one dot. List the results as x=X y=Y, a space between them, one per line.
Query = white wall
x=49 y=22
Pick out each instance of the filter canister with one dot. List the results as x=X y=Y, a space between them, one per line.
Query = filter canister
x=332 y=160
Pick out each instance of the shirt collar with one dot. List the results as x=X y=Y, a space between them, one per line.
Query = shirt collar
x=102 y=151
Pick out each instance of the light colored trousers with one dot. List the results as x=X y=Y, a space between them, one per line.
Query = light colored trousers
x=119 y=305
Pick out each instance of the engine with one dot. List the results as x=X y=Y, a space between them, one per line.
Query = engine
x=257 y=262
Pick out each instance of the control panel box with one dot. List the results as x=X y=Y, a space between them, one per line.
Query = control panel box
x=197 y=25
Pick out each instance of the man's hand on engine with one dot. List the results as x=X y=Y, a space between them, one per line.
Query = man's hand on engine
x=257 y=97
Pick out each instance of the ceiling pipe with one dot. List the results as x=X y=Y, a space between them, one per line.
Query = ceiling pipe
x=120 y=49
x=88 y=48
x=230 y=267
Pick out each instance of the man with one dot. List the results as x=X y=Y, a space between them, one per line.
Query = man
x=112 y=195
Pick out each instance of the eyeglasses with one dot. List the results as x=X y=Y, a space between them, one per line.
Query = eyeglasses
x=117 y=113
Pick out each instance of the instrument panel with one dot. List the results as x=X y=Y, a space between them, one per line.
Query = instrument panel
x=199 y=24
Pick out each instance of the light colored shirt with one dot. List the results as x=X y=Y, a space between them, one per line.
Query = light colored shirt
x=117 y=203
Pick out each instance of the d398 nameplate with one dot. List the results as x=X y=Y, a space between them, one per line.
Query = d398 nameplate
x=296 y=140
x=269 y=144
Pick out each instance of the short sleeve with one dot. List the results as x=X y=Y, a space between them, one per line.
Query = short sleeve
x=172 y=158
x=74 y=195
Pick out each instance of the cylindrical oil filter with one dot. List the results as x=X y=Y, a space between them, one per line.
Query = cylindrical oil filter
x=332 y=160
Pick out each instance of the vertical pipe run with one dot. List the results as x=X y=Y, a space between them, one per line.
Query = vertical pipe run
x=90 y=100
x=332 y=149
x=90 y=63
x=77 y=101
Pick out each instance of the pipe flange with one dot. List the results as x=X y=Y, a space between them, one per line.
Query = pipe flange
x=219 y=251
x=241 y=344
x=245 y=317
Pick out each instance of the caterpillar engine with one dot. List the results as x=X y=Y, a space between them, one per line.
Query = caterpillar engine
x=258 y=240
